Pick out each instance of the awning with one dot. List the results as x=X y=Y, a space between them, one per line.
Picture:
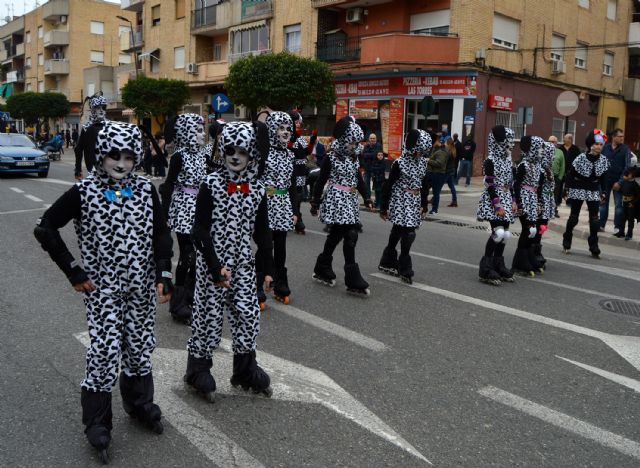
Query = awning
x=128 y=113
x=245 y=26
x=6 y=90
x=147 y=54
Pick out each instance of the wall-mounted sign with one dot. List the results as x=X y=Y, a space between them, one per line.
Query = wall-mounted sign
x=409 y=86
x=500 y=102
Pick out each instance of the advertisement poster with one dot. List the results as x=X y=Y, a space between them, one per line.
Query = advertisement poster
x=396 y=120
x=384 y=125
x=409 y=86
x=342 y=108
x=364 y=109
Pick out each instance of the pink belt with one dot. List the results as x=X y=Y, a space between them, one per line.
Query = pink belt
x=344 y=188
x=530 y=188
x=189 y=190
x=415 y=192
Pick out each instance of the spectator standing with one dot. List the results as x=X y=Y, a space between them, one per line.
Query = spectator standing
x=159 y=161
x=74 y=136
x=559 y=169
x=619 y=157
x=450 y=179
x=570 y=152
x=458 y=145
x=378 y=168
x=630 y=197
x=67 y=137
x=369 y=154
x=437 y=167
x=466 y=159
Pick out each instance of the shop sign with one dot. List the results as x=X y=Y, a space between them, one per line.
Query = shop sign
x=469 y=120
x=500 y=102
x=408 y=86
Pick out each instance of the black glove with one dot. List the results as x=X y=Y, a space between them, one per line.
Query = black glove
x=76 y=275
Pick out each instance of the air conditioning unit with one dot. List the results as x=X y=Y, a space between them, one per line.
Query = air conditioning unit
x=63 y=19
x=192 y=68
x=240 y=112
x=355 y=15
x=558 y=67
x=481 y=53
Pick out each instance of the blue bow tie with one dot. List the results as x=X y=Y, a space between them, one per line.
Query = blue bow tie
x=111 y=195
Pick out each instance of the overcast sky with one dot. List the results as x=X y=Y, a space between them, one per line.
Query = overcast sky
x=20 y=7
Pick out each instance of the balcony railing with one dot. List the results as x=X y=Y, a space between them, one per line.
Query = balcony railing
x=339 y=49
x=15 y=76
x=132 y=40
x=256 y=10
x=237 y=56
x=203 y=17
x=56 y=67
x=19 y=49
x=4 y=55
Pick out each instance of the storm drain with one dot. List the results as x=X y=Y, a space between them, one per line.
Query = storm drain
x=479 y=227
x=619 y=306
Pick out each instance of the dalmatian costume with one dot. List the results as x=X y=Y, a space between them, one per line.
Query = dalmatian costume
x=496 y=204
x=528 y=192
x=301 y=149
x=230 y=208
x=85 y=146
x=125 y=249
x=338 y=205
x=187 y=169
x=547 y=201
x=584 y=181
x=404 y=195
x=282 y=197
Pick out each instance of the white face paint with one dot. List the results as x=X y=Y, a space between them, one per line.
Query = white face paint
x=99 y=113
x=236 y=158
x=200 y=135
x=284 y=134
x=119 y=165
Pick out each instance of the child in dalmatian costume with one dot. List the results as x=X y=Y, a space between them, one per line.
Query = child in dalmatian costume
x=85 y=146
x=497 y=205
x=301 y=149
x=125 y=249
x=584 y=183
x=231 y=208
x=404 y=201
x=187 y=169
x=339 y=205
x=547 y=202
x=528 y=194
x=279 y=179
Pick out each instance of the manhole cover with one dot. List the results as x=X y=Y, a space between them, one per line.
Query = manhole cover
x=621 y=307
x=453 y=223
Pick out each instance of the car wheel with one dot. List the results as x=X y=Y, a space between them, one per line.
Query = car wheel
x=42 y=175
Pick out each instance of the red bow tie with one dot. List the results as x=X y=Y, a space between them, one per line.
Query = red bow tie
x=233 y=187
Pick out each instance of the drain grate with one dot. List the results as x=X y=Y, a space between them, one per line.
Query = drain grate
x=619 y=306
x=453 y=223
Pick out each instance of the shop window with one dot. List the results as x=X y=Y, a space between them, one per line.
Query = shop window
x=97 y=27
x=505 y=32
x=292 y=38
x=612 y=7
x=607 y=65
x=581 y=55
x=433 y=23
x=511 y=120
x=155 y=15
x=557 y=47
x=557 y=128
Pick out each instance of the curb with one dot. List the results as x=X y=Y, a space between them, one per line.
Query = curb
x=603 y=238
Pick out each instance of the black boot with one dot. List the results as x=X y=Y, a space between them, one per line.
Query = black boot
x=486 y=272
x=405 y=269
x=281 y=289
x=536 y=264
x=323 y=272
x=521 y=262
x=567 y=237
x=594 y=227
x=389 y=261
x=248 y=375
x=137 y=400
x=180 y=305
x=540 y=260
x=97 y=417
x=199 y=377
x=354 y=281
x=501 y=269
x=300 y=227
x=262 y=297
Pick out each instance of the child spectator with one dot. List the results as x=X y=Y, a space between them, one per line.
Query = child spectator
x=377 y=170
x=630 y=195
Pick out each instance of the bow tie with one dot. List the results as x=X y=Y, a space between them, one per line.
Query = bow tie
x=111 y=195
x=233 y=187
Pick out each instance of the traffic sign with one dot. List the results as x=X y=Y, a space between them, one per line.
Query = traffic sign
x=220 y=103
x=5 y=116
x=567 y=103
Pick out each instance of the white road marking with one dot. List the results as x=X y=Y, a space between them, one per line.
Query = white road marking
x=320 y=233
x=537 y=279
x=631 y=275
x=34 y=198
x=23 y=211
x=564 y=421
x=290 y=382
x=329 y=327
x=16 y=189
x=55 y=181
x=628 y=347
x=619 y=379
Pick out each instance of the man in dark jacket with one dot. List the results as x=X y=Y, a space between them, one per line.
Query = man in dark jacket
x=570 y=152
x=466 y=159
x=458 y=144
x=369 y=154
x=619 y=157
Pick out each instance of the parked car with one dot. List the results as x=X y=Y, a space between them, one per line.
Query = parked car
x=18 y=154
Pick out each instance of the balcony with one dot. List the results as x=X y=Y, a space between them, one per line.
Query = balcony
x=56 y=67
x=132 y=41
x=325 y=3
x=210 y=72
x=56 y=38
x=631 y=89
x=56 y=11
x=256 y=10
x=339 y=49
x=19 y=49
x=132 y=5
x=15 y=76
x=12 y=27
x=60 y=91
x=114 y=100
x=215 y=19
x=4 y=55
x=634 y=37
x=235 y=57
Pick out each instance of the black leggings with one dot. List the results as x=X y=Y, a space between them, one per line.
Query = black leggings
x=493 y=248
x=404 y=235
x=525 y=241
x=338 y=232
x=186 y=262
x=594 y=216
x=279 y=249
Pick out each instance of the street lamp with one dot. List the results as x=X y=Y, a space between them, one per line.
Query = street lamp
x=132 y=41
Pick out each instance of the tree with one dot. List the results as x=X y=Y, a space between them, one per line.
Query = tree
x=160 y=98
x=36 y=108
x=280 y=81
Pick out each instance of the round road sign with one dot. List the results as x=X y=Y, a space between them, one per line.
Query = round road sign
x=567 y=103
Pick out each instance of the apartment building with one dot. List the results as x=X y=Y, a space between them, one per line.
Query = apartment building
x=48 y=49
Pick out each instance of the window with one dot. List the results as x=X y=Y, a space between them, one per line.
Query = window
x=510 y=119
x=292 y=38
x=217 y=52
x=40 y=59
x=583 y=3
x=581 y=55
x=155 y=65
x=96 y=56
x=123 y=30
x=612 y=7
x=557 y=44
x=29 y=87
x=607 y=66
x=435 y=23
x=244 y=41
x=505 y=32
x=612 y=123
x=179 y=9
x=91 y=89
x=97 y=27
x=594 y=104
x=155 y=15
x=28 y=62
x=28 y=37
x=41 y=86
x=124 y=59
x=40 y=32
x=557 y=129
x=178 y=57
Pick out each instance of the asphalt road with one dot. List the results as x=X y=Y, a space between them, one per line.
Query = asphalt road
x=543 y=372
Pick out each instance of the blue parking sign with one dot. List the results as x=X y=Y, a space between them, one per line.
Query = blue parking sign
x=220 y=103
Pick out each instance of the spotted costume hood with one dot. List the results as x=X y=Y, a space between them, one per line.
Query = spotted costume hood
x=274 y=121
x=186 y=128
x=532 y=148
x=417 y=141
x=501 y=141
x=96 y=102
x=346 y=132
x=117 y=136
x=250 y=136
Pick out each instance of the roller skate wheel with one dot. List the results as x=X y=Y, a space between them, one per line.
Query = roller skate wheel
x=262 y=306
x=508 y=280
x=103 y=456
x=210 y=396
x=566 y=251
x=531 y=274
x=330 y=283
x=406 y=279
x=388 y=271
x=283 y=299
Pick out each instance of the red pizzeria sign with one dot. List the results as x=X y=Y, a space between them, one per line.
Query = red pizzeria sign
x=500 y=102
x=437 y=86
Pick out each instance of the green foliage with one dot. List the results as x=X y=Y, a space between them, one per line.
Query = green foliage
x=158 y=98
x=32 y=107
x=280 y=81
